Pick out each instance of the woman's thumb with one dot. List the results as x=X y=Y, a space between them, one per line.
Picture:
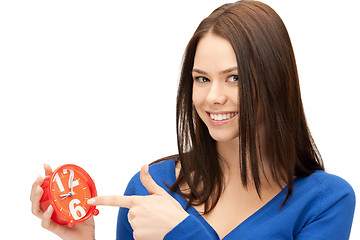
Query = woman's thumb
x=149 y=182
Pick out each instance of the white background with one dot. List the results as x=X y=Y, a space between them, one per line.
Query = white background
x=94 y=83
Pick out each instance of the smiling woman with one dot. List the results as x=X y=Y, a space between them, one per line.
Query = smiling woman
x=242 y=128
x=271 y=130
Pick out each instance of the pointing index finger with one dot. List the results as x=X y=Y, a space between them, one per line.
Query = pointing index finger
x=114 y=200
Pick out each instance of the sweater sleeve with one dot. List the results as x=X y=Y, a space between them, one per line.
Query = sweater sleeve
x=124 y=230
x=335 y=215
x=189 y=229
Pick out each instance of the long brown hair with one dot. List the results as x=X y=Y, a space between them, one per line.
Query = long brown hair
x=269 y=93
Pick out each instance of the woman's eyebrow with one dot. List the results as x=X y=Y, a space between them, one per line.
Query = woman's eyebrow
x=229 y=70
x=198 y=71
x=222 y=72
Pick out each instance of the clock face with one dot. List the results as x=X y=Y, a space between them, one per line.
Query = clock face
x=70 y=191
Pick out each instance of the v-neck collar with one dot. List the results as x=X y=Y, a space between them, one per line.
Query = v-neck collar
x=274 y=202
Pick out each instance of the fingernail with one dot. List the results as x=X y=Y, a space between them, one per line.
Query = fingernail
x=91 y=201
x=49 y=208
x=38 y=190
x=146 y=169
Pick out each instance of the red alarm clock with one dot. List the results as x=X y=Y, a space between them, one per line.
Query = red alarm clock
x=67 y=189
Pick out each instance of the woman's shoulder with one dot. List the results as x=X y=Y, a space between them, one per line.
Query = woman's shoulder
x=327 y=183
x=319 y=202
x=324 y=190
x=163 y=173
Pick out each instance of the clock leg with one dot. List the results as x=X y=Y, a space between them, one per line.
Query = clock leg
x=96 y=212
x=71 y=223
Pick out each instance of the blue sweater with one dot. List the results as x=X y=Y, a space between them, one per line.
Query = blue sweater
x=321 y=207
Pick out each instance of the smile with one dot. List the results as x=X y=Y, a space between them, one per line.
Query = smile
x=222 y=116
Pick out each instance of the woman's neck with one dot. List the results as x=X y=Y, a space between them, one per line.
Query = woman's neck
x=229 y=158
x=230 y=163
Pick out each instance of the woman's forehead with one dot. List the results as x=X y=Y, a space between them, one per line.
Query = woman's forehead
x=214 y=53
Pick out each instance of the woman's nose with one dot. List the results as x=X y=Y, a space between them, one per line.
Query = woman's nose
x=217 y=94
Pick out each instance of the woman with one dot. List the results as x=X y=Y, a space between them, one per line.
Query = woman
x=247 y=165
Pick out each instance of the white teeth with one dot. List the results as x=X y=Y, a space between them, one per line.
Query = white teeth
x=219 y=117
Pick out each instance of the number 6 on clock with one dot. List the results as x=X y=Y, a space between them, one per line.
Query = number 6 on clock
x=77 y=212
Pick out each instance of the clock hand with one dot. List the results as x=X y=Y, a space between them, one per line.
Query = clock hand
x=71 y=178
x=65 y=195
x=69 y=194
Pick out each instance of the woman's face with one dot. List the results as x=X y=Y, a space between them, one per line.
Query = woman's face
x=215 y=88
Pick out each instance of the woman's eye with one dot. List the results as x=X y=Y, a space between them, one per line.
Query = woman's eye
x=233 y=78
x=202 y=79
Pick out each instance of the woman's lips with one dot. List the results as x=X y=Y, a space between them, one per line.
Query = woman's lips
x=221 y=118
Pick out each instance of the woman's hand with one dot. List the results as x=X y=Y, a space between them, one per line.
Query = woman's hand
x=152 y=216
x=83 y=230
